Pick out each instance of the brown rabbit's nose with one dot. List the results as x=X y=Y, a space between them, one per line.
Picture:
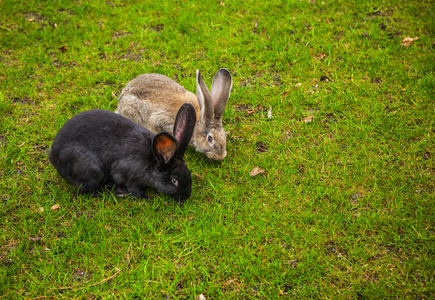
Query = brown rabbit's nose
x=220 y=157
x=224 y=155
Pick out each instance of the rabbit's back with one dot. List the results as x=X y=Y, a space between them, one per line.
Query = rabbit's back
x=102 y=132
x=100 y=147
x=153 y=100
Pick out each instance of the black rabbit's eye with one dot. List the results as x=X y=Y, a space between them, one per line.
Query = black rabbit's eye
x=210 y=139
x=175 y=181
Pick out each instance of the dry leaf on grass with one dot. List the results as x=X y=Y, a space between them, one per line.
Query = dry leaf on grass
x=250 y=111
x=308 y=119
x=408 y=41
x=221 y=4
x=55 y=207
x=269 y=113
x=261 y=147
x=320 y=56
x=236 y=137
x=36 y=239
x=377 y=80
x=255 y=171
x=63 y=49
x=298 y=84
x=197 y=176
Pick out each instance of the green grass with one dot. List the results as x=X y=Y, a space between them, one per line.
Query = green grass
x=343 y=210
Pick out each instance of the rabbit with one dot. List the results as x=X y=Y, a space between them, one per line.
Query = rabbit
x=152 y=100
x=99 y=147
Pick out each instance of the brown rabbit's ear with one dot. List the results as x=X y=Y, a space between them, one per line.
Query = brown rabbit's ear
x=220 y=92
x=206 y=110
x=183 y=128
x=164 y=146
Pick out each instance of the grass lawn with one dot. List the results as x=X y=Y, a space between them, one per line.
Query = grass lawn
x=344 y=208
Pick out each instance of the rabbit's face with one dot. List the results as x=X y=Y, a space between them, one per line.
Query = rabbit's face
x=175 y=181
x=212 y=142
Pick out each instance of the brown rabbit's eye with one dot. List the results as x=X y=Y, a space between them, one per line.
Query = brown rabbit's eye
x=210 y=139
x=175 y=181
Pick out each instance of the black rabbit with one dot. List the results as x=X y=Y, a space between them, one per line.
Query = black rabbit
x=99 y=147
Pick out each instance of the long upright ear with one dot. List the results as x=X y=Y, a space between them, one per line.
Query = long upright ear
x=164 y=146
x=220 y=92
x=206 y=110
x=183 y=128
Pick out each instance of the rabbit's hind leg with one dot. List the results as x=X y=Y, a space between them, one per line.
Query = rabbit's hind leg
x=83 y=169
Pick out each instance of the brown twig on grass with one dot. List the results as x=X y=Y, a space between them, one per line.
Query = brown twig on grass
x=73 y=286
x=102 y=281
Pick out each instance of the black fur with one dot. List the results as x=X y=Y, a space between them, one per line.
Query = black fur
x=98 y=147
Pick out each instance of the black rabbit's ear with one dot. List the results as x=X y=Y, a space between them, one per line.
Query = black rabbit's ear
x=164 y=146
x=183 y=128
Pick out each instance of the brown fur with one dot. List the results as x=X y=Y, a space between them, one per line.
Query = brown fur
x=151 y=89
x=153 y=100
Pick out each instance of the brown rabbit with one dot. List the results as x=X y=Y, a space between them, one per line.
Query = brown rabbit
x=153 y=100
